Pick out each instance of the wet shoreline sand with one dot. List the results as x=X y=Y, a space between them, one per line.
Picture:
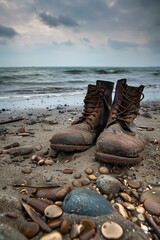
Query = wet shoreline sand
x=35 y=127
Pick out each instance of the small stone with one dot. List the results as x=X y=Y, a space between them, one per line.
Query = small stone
x=111 y=230
x=141 y=217
x=140 y=209
x=67 y=171
x=85 y=181
x=103 y=170
x=54 y=235
x=134 y=184
x=108 y=184
x=152 y=206
x=38 y=147
x=146 y=115
x=55 y=223
x=21 y=130
x=48 y=162
x=65 y=227
x=20 y=182
x=87 y=202
x=22 y=150
x=27 y=170
x=76 y=183
x=89 y=170
x=10 y=233
x=153 y=194
x=92 y=177
x=76 y=229
x=77 y=175
x=125 y=197
x=15 y=144
x=121 y=210
x=29 y=229
x=53 y=211
x=128 y=206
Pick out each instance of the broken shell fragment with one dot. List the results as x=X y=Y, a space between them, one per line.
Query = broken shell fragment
x=53 y=211
x=29 y=229
x=111 y=230
x=54 y=235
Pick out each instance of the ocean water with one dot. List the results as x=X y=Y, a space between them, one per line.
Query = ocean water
x=23 y=87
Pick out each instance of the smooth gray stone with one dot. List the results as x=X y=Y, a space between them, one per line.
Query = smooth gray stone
x=108 y=184
x=87 y=202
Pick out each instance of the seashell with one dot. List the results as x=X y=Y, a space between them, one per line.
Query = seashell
x=41 y=162
x=29 y=229
x=53 y=211
x=36 y=218
x=34 y=158
x=38 y=204
x=128 y=206
x=92 y=177
x=65 y=227
x=111 y=230
x=76 y=230
x=121 y=210
x=52 y=235
x=125 y=197
x=55 y=223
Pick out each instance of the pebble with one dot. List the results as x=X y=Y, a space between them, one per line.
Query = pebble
x=153 y=194
x=77 y=175
x=103 y=170
x=92 y=177
x=119 y=207
x=125 y=197
x=29 y=229
x=55 y=223
x=20 y=182
x=111 y=230
x=76 y=230
x=53 y=211
x=134 y=184
x=85 y=181
x=54 y=235
x=21 y=130
x=152 y=206
x=48 y=162
x=26 y=170
x=77 y=183
x=89 y=170
x=67 y=171
x=108 y=184
x=7 y=232
x=128 y=206
x=87 y=202
x=65 y=227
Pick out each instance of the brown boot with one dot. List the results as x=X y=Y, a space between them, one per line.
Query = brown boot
x=83 y=132
x=119 y=142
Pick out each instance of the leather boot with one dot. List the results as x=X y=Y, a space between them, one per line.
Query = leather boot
x=119 y=143
x=84 y=131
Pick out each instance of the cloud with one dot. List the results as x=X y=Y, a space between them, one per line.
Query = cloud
x=121 y=45
x=53 y=21
x=63 y=43
x=7 y=32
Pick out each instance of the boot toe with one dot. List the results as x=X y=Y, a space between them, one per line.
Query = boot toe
x=114 y=141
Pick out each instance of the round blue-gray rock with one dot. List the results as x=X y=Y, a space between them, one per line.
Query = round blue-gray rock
x=86 y=202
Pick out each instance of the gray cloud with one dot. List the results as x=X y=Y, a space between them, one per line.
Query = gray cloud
x=7 y=32
x=64 y=43
x=121 y=45
x=53 y=21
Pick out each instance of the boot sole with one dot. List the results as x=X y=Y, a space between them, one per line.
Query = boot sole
x=109 y=158
x=69 y=148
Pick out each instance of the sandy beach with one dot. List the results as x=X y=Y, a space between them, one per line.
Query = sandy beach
x=26 y=158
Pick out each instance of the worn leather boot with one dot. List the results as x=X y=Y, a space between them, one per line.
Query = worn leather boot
x=119 y=143
x=84 y=131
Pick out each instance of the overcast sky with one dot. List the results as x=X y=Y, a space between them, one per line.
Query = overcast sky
x=79 y=33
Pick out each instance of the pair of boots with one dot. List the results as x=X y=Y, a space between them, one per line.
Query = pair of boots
x=108 y=124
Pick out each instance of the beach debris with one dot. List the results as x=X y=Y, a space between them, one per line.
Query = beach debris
x=36 y=218
x=53 y=211
x=39 y=205
x=21 y=150
x=52 y=193
x=29 y=229
x=108 y=184
x=111 y=230
x=87 y=202
x=12 y=120
x=52 y=235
